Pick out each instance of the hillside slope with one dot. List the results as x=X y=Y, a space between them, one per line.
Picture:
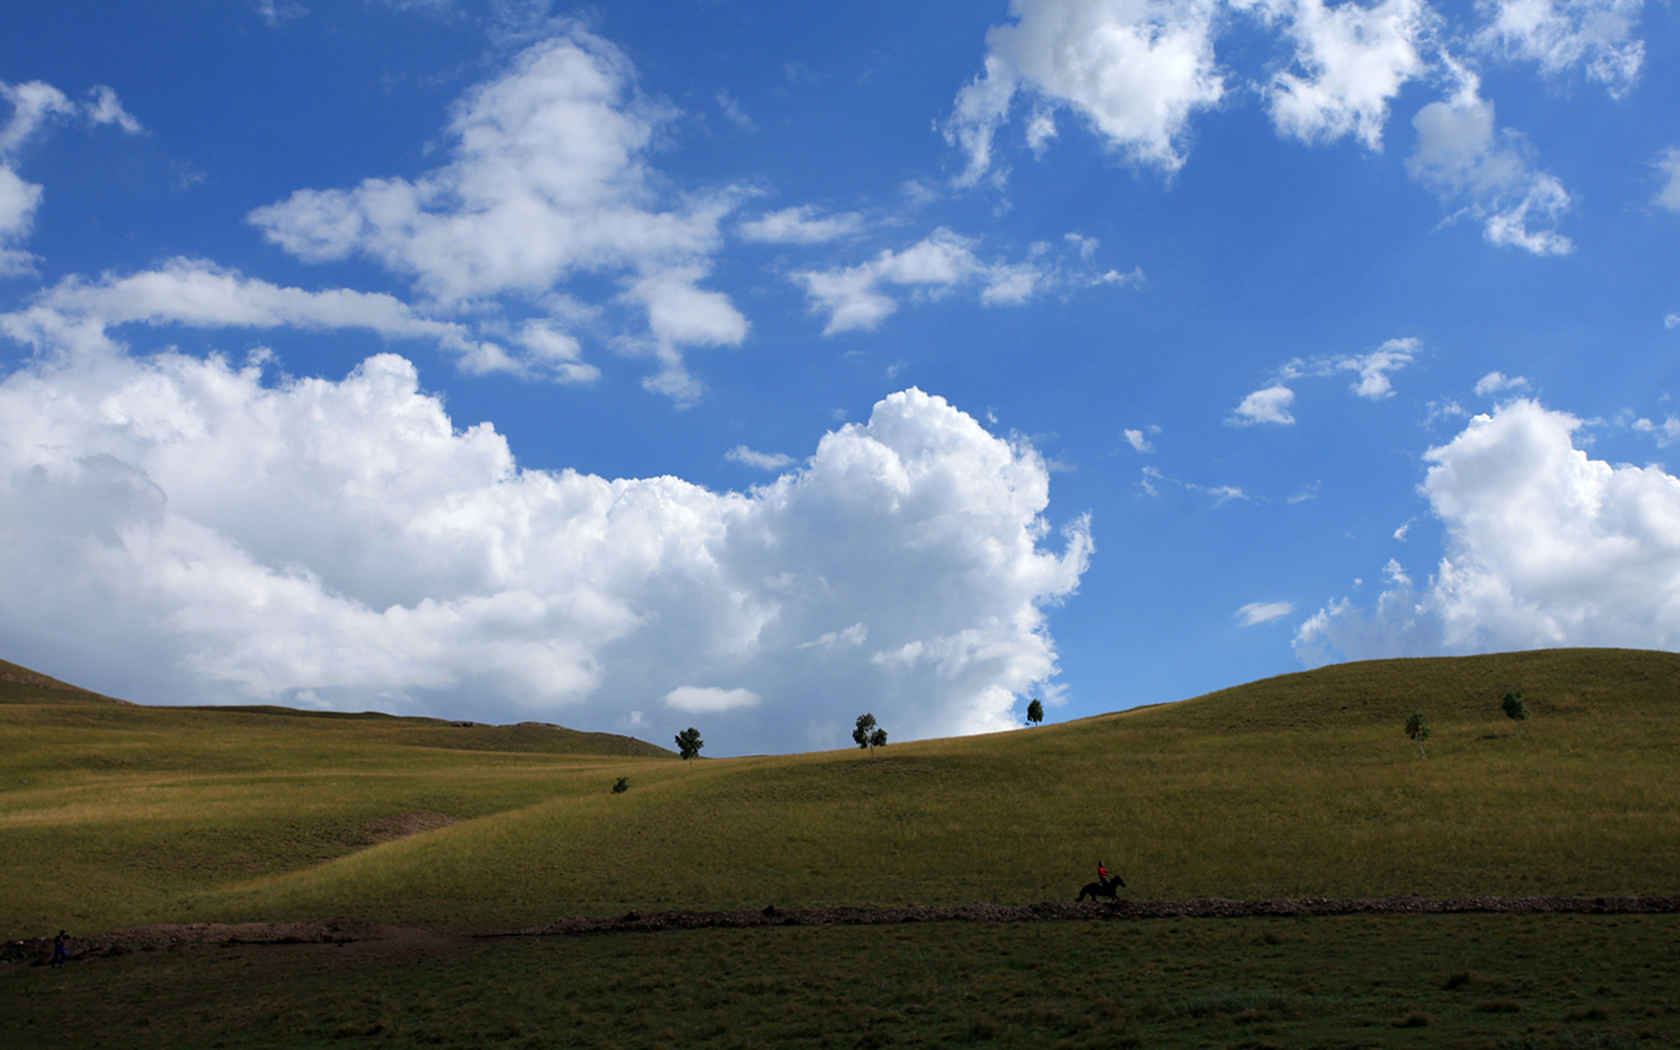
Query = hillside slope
x=1298 y=786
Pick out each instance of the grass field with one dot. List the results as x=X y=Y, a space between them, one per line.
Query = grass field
x=1516 y=982
x=113 y=814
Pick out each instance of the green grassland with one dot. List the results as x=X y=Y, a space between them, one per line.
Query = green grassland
x=115 y=814
x=1513 y=982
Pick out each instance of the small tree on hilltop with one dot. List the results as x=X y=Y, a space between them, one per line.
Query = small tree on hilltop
x=1035 y=712
x=689 y=743
x=1513 y=706
x=1417 y=727
x=868 y=734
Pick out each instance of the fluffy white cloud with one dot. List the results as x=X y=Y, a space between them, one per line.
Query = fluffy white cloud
x=801 y=225
x=1498 y=382
x=1492 y=175
x=1558 y=34
x=1138 y=441
x=547 y=180
x=1545 y=547
x=1269 y=405
x=1263 y=612
x=180 y=530
x=1135 y=70
x=857 y=297
x=1355 y=60
x=1668 y=164
x=759 y=460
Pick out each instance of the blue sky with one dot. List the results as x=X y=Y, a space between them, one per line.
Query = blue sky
x=648 y=366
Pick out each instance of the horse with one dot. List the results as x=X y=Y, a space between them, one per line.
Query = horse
x=1101 y=888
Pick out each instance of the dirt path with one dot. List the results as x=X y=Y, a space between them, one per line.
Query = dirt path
x=348 y=930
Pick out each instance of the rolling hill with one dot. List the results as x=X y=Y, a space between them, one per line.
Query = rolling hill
x=115 y=814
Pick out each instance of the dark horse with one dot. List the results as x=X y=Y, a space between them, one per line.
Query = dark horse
x=1101 y=888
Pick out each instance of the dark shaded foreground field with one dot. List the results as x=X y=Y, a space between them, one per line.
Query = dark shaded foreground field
x=1418 y=980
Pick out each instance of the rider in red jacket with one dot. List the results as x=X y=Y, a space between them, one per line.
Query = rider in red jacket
x=1102 y=873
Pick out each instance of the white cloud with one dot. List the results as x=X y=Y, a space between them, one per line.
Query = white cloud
x=1136 y=439
x=1668 y=163
x=1492 y=175
x=1439 y=410
x=1544 y=547
x=1403 y=530
x=1270 y=405
x=180 y=530
x=801 y=225
x=759 y=460
x=1372 y=368
x=857 y=297
x=1222 y=494
x=731 y=108
x=275 y=13
x=1263 y=612
x=1671 y=321
x=1498 y=382
x=854 y=635
x=547 y=179
x=709 y=700
x=106 y=108
x=1134 y=70
x=34 y=105
x=1667 y=432
x=1307 y=492
x=1356 y=60
x=77 y=315
x=1558 y=34
x=18 y=202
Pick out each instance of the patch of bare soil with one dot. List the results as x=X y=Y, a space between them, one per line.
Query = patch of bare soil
x=38 y=950
x=386 y=829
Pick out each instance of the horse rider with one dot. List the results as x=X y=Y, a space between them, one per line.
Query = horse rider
x=1103 y=875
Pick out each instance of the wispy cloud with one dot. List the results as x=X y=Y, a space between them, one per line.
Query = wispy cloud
x=758 y=460
x=1263 y=612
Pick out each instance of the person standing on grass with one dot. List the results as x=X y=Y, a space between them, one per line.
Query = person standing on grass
x=60 y=952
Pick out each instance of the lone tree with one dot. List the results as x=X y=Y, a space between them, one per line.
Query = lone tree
x=1513 y=706
x=1035 y=712
x=868 y=734
x=621 y=785
x=689 y=743
x=1417 y=727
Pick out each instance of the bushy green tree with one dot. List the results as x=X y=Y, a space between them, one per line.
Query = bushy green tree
x=868 y=734
x=621 y=785
x=1417 y=727
x=689 y=743
x=1513 y=706
x=1035 y=712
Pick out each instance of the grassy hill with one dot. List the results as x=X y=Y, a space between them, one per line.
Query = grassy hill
x=114 y=814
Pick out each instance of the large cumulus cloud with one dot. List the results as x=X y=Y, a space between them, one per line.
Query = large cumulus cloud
x=183 y=530
x=1545 y=546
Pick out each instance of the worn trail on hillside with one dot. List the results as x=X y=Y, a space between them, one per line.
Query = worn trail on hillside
x=350 y=930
